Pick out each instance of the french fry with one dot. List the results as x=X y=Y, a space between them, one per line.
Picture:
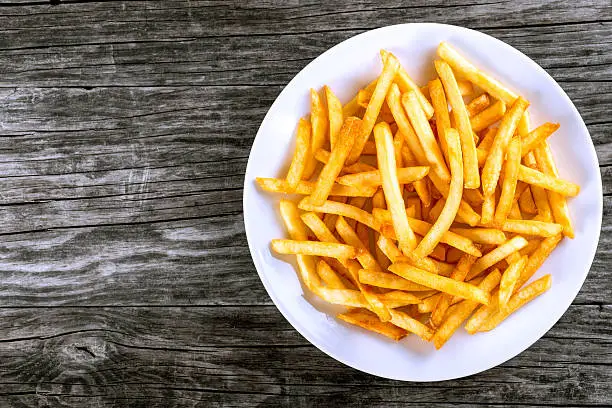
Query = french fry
x=453 y=255
x=352 y=108
x=511 y=170
x=537 y=136
x=477 y=105
x=375 y=304
x=420 y=186
x=526 y=203
x=306 y=188
x=344 y=297
x=522 y=297
x=313 y=248
x=389 y=281
x=318 y=227
x=493 y=164
x=406 y=84
x=345 y=210
x=473 y=197
x=395 y=255
x=512 y=245
x=426 y=137
x=390 y=68
x=440 y=283
x=558 y=203
x=404 y=126
x=350 y=237
x=465 y=212
x=488 y=210
x=334 y=112
x=458 y=274
x=410 y=324
x=438 y=100
x=488 y=116
x=398 y=298
x=349 y=131
x=489 y=236
x=540 y=196
x=369 y=148
x=487 y=140
x=531 y=227
x=509 y=279
x=378 y=201
x=548 y=182
x=483 y=313
x=537 y=258
x=301 y=155
x=451 y=206
x=460 y=312
x=369 y=179
x=295 y=227
x=435 y=211
x=369 y=321
x=390 y=184
x=532 y=246
x=323 y=156
x=428 y=304
x=319 y=124
x=471 y=176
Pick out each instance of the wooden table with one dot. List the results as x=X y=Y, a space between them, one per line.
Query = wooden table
x=124 y=134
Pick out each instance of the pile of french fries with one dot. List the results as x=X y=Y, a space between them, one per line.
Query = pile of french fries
x=425 y=207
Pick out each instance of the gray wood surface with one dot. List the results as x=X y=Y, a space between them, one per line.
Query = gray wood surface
x=126 y=280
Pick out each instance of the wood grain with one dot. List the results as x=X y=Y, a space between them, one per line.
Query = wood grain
x=125 y=130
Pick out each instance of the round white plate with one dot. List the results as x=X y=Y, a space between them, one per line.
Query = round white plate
x=346 y=68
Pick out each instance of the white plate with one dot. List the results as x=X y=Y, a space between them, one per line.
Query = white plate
x=346 y=68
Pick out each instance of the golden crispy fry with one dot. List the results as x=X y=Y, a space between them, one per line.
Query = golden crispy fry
x=389 y=281
x=522 y=297
x=420 y=186
x=297 y=230
x=540 y=196
x=459 y=273
x=395 y=255
x=531 y=227
x=488 y=210
x=440 y=283
x=318 y=227
x=406 y=84
x=369 y=321
x=453 y=255
x=319 y=124
x=336 y=117
x=451 y=205
x=390 y=184
x=483 y=313
x=524 y=126
x=512 y=245
x=339 y=296
x=302 y=154
x=426 y=137
x=464 y=68
x=465 y=212
x=345 y=210
x=509 y=279
x=488 y=116
x=548 y=182
x=410 y=324
x=471 y=176
x=398 y=298
x=435 y=211
x=532 y=246
x=404 y=126
x=537 y=136
x=537 y=258
x=306 y=188
x=350 y=237
x=487 y=140
x=390 y=68
x=378 y=201
x=473 y=197
x=493 y=164
x=438 y=100
x=329 y=276
x=460 y=312
x=511 y=170
x=477 y=105
x=482 y=235
x=350 y=129
x=323 y=156
x=352 y=108
x=369 y=179
x=376 y=305
x=428 y=304
x=313 y=248
x=369 y=148
x=526 y=203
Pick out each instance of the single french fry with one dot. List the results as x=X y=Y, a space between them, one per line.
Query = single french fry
x=493 y=164
x=345 y=210
x=511 y=170
x=428 y=304
x=378 y=201
x=330 y=219
x=537 y=258
x=426 y=137
x=435 y=211
x=329 y=276
x=537 y=136
x=352 y=108
x=350 y=237
x=471 y=176
x=395 y=255
x=532 y=246
x=531 y=227
x=488 y=116
x=375 y=304
x=398 y=298
x=509 y=279
x=460 y=312
x=526 y=202
x=318 y=227
x=313 y=248
x=301 y=155
x=334 y=112
x=406 y=84
x=306 y=188
x=465 y=212
x=540 y=196
x=548 y=182
x=483 y=313
x=349 y=131
x=440 y=283
x=501 y=252
x=390 y=68
x=389 y=281
x=390 y=184
x=477 y=105
x=368 y=179
x=369 y=321
x=488 y=210
x=522 y=297
x=404 y=126
x=369 y=148
x=323 y=156
x=489 y=236
x=453 y=255
x=297 y=230
x=319 y=124
x=473 y=197
x=410 y=324
x=487 y=140
x=420 y=186
x=451 y=205
x=438 y=100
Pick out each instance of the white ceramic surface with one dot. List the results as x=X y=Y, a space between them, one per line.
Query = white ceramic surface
x=346 y=68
